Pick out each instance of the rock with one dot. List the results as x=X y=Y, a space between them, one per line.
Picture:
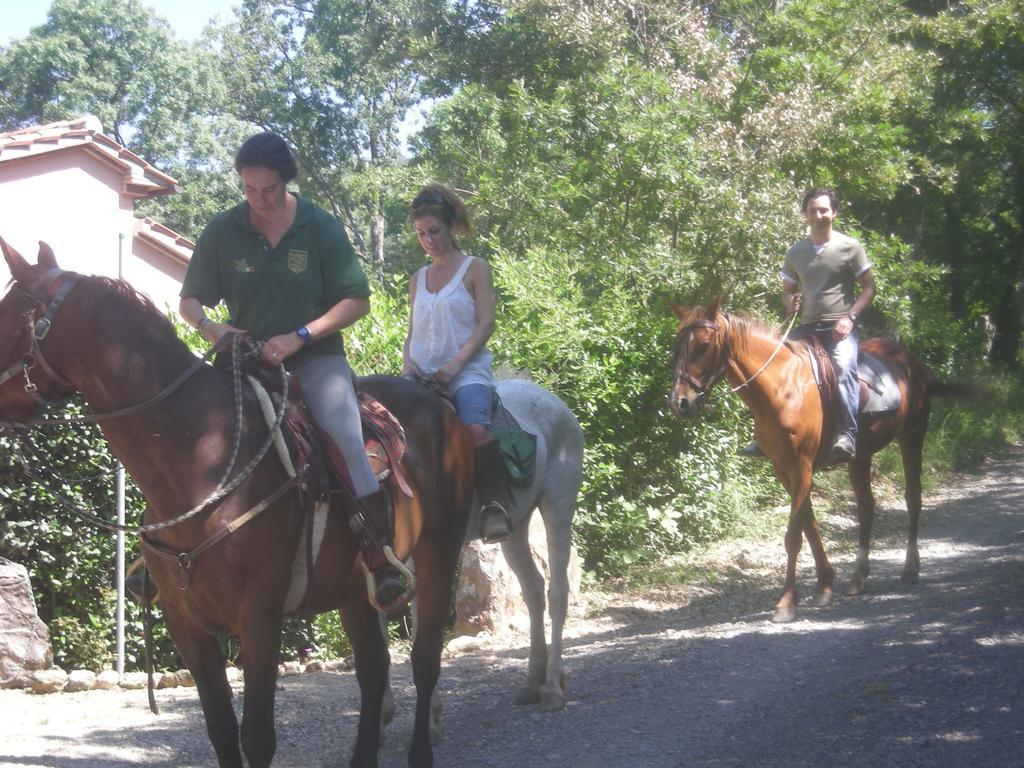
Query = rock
x=80 y=680
x=180 y=679
x=339 y=665
x=106 y=680
x=467 y=644
x=488 y=597
x=46 y=680
x=234 y=674
x=289 y=668
x=132 y=681
x=24 y=638
x=315 y=666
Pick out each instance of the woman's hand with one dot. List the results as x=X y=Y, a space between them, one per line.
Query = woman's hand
x=448 y=371
x=277 y=349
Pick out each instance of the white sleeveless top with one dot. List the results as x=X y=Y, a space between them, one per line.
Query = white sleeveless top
x=441 y=323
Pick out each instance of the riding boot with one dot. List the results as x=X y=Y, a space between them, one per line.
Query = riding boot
x=134 y=584
x=374 y=536
x=492 y=485
x=752 y=451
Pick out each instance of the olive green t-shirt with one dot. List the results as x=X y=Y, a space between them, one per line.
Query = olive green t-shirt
x=828 y=278
x=275 y=291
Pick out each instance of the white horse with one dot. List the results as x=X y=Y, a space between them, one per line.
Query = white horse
x=553 y=492
x=556 y=484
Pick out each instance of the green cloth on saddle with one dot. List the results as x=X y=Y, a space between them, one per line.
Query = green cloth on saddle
x=520 y=450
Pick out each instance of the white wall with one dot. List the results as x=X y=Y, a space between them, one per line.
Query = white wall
x=72 y=201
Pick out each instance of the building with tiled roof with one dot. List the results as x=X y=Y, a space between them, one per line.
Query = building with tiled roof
x=72 y=186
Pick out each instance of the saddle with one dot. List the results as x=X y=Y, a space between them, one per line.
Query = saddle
x=879 y=393
x=310 y=455
x=319 y=464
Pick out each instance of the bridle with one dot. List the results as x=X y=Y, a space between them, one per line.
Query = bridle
x=38 y=328
x=702 y=388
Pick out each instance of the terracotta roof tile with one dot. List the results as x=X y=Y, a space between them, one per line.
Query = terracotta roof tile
x=139 y=179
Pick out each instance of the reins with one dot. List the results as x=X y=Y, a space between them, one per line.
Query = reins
x=759 y=371
x=223 y=486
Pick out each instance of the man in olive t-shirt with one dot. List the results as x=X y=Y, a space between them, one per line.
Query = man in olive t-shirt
x=820 y=276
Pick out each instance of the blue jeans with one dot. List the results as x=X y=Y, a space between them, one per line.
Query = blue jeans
x=330 y=397
x=844 y=357
x=474 y=403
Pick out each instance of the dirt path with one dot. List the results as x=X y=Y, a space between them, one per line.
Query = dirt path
x=931 y=676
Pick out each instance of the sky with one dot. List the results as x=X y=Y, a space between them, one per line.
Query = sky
x=186 y=17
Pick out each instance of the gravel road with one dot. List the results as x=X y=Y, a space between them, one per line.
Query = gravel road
x=930 y=676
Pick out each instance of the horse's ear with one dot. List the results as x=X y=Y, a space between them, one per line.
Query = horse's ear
x=680 y=311
x=711 y=310
x=46 y=257
x=14 y=259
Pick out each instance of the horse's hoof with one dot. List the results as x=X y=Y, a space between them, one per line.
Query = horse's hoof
x=551 y=701
x=909 y=578
x=526 y=695
x=855 y=587
x=823 y=599
x=784 y=615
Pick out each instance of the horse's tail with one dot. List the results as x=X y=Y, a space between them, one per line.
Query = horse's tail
x=955 y=390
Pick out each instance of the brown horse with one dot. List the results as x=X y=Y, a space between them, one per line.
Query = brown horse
x=63 y=333
x=775 y=380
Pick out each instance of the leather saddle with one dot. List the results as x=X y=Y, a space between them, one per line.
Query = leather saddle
x=878 y=390
x=317 y=461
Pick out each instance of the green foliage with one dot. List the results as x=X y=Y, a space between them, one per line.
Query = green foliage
x=961 y=433
x=616 y=157
x=71 y=562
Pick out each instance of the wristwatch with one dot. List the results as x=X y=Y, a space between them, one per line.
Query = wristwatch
x=852 y=316
x=304 y=334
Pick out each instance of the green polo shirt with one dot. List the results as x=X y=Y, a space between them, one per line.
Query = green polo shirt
x=827 y=279
x=274 y=291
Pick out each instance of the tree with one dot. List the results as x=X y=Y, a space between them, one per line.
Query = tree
x=161 y=98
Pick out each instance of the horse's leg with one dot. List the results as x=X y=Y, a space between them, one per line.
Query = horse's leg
x=260 y=639
x=559 y=535
x=911 y=446
x=825 y=572
x=531 y=582
x=205 y=660
x=799 y=487
x=859 y=471
x=435 y=568
x=364 y=630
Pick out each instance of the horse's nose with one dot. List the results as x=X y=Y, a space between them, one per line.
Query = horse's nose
x=680 y=405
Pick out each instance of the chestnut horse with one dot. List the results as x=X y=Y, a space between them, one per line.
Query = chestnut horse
x=775 y=380
x=63 y=333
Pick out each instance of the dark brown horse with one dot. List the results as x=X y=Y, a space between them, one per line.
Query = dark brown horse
x=110 y=344
x=775 y=380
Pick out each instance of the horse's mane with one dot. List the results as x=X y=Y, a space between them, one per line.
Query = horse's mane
x=743 y=326
x=139 y=309
x=746 y=324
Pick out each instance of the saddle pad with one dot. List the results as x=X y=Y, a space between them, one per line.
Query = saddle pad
x=883 y=393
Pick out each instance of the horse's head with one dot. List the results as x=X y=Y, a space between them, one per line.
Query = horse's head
x=25 y=321
x=701 y=349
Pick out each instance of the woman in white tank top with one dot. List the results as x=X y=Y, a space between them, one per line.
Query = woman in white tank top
x=451 y=317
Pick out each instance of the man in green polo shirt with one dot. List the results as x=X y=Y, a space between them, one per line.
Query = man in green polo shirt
x=288 y=274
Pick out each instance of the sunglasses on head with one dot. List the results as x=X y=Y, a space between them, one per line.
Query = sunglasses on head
x=432 y=197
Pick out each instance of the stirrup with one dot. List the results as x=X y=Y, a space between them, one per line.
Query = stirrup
x=492 y=508
x=408 y=589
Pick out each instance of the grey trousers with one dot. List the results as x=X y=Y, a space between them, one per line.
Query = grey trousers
x=328 y=393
